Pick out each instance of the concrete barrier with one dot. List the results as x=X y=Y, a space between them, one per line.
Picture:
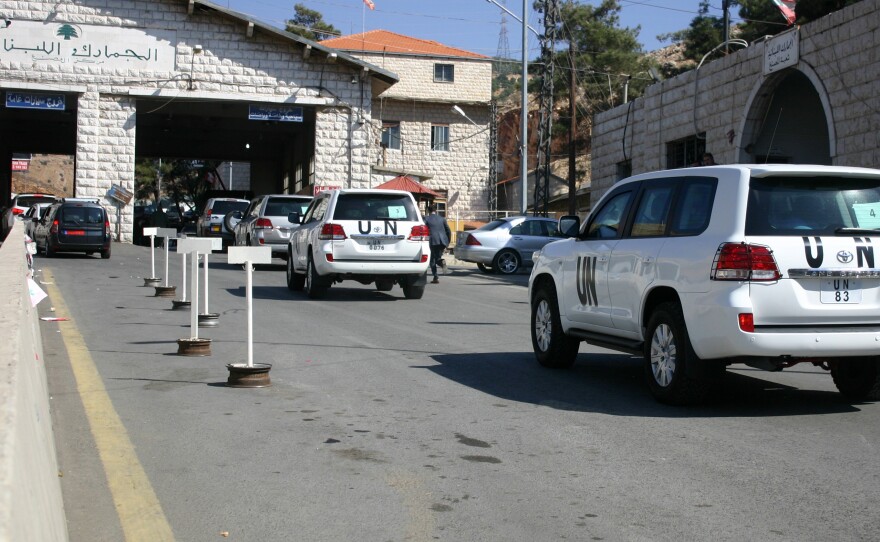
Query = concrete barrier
x=30 y=492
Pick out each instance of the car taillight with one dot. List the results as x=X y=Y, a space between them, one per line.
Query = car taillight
x=107 y=225
x=420 y=233
x=263 y=224
x=209 y=212
x=17 y=211
x=739 y=261
x=473 y=241
x=747 y=322
x=54 y=228
x=424 y=258
x=332 y=232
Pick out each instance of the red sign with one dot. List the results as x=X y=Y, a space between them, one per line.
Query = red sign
x=20 y=165
x=318 y=188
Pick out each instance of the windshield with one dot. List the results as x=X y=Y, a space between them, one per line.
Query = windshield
x=82 y=216
x=27 y=201
x=375 y=207
x=285 y=206
x=812 y=206
x=222 y=207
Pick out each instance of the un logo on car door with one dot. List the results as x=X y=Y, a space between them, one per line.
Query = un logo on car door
x=586 y=280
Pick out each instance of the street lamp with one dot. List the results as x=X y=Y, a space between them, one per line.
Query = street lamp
x=461 y=112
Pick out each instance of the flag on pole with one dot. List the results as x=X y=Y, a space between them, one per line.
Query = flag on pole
x=786 y=7
x=370 y=4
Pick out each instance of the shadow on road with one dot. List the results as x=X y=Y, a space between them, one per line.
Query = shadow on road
x=613 y=384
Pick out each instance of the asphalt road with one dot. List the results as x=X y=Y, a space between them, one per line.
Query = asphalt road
x=403 y=420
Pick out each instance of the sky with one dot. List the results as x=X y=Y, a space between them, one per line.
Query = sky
x=473 y=25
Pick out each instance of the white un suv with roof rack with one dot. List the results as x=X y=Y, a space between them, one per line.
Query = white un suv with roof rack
x=366 y=235
x=700 y=268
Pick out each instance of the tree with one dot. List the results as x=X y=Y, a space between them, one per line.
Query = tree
x=310 y=24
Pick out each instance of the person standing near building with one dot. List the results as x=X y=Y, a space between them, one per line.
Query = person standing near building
x=439 y=238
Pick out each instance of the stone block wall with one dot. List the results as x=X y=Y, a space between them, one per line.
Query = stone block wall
x=472 y=78
x=838 y=53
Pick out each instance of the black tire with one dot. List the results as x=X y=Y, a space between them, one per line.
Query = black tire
x=485 y=268
x=295 y=281
x=105 y=254
x=674 y=373
x=413 y=287
x=313 y=285
x=384 y=285
x=506 y=262
x=553 y=348
x=49 y=252
x=857 y=379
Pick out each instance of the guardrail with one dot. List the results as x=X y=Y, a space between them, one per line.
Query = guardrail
x=30 y=492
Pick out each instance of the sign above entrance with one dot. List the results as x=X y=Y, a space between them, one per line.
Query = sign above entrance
x=781 y=51
x=34 y=100
x=109 y=47
x=281 y=113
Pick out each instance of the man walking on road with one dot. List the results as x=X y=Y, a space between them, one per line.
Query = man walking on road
x=439 y=238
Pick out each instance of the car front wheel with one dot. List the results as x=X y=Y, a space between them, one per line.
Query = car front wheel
x=313 y=285
x=295 y=281
x=506 y=262
x=674 y=373
x=553 y=348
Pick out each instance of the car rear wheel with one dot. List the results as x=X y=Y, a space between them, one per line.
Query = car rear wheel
x=413 y=287
x=506 y=262
x=485 y=268
x=295 y=281
x=674 y=373
x=49 y=252
x=857 y=379
x=105 y=254
x=313 y=285
x=553 y=348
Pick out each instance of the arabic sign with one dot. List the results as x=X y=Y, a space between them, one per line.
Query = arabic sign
x=781 y=51
x=318 y=188
x=20 y=165
x=103 y=46
x=282 y=113
x=120 y=194
x=34 y=100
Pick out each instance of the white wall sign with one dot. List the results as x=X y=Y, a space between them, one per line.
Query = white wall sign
x=781 y=51
x=110 y=47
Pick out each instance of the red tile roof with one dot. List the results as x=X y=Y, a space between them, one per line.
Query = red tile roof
x=384 y=41
x=405 y=182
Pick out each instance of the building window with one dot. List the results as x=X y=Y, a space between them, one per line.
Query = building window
x=444 y=73
x=391 y=135
x=686 y=152
x=439 y=138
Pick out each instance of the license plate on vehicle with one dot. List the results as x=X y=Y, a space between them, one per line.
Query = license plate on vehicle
x=375 y=244
x=215 y=228
x=834 y=291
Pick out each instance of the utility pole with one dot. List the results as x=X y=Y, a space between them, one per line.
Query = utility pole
x=572 y=131
x=550 y=8
x=493 y=158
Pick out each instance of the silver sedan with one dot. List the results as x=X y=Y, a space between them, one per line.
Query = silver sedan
x=506 y=244
x=265 y=223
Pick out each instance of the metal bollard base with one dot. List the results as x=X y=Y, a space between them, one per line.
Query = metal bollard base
x=210 y=319
x=152 y=281
x=242 y=376
x=193 y=347
x=178 y=304
x=166 y=291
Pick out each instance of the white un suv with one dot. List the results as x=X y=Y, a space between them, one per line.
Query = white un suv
x=366 y=235
x=700 y=268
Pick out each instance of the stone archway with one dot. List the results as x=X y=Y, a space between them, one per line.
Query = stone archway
x=788 y=121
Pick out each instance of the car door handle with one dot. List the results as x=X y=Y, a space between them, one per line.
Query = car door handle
x=649 y=259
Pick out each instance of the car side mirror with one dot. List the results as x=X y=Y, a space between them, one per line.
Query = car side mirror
x=569 y=225
x=294 y=218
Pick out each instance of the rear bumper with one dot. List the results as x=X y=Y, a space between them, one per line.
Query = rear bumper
x=481 y=255
x=365 y=268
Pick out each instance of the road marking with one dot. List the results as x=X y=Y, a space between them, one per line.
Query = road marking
x=136 y=503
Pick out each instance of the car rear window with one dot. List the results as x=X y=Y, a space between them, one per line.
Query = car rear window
x=82 y=216
x=491 y=225
x=800 y=206
x=222 y=207
x=285 y=206
x=375 y=207
x=27 y=201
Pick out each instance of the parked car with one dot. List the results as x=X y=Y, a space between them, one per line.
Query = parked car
x=506 y=244
x=701 y=268
x=73 y=226
x=22 y=202
x=211 y=224
x=38 y=211
x=265 y=221
x=366 y=235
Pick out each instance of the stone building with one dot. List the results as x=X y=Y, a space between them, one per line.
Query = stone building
x=109 y=81
x=810 y=95
x=418 y=130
